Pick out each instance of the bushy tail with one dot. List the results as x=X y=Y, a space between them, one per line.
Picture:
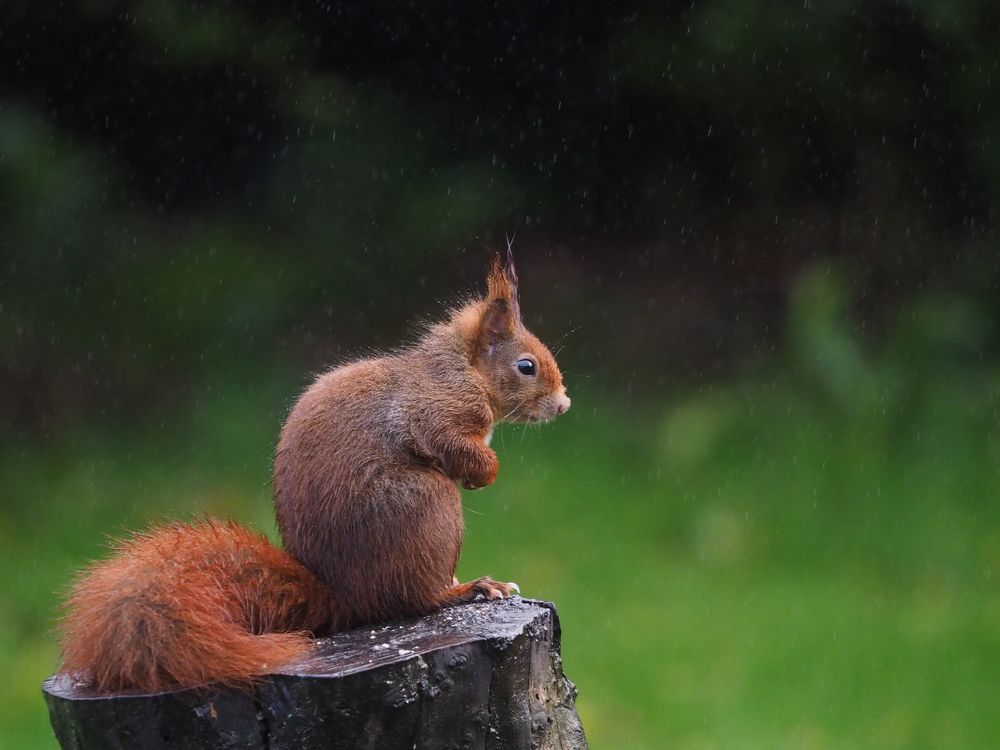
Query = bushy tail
x=188 y=605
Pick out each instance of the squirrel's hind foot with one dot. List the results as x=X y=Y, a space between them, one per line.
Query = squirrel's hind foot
x=484 y=588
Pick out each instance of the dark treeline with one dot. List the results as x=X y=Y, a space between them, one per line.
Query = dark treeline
x=189 y=188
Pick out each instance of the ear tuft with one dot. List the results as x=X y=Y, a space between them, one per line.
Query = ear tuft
x=502 y=281
x=509 y=271
x=501 y=314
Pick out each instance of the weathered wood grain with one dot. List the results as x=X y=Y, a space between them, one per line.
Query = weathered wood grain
x=484 y=675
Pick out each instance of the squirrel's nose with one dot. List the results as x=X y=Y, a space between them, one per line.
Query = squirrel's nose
x=562 y=405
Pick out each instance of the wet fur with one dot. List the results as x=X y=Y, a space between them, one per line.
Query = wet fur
x=367 y=464
x=189 y=605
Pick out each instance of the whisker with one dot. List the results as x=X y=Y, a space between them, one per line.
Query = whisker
x=517 y=406
x=569 y=332
x=509 y=413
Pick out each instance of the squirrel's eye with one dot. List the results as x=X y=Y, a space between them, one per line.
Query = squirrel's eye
x=526 y=366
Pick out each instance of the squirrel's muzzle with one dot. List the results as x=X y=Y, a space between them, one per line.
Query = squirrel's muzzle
x=562 y=403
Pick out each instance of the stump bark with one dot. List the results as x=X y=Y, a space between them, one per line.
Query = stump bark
x=484 y=675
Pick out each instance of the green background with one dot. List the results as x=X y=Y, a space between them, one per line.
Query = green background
x=760 y=237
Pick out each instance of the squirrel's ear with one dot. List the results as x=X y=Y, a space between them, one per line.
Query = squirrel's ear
x=497 y=322
x=501 y=315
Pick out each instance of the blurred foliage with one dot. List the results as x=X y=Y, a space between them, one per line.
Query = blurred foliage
x=185 y=186
x=760 y=234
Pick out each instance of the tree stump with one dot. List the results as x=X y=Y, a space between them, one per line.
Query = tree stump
x=483 y=675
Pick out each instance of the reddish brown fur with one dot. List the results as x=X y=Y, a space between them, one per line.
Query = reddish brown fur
x=368 y=459
x=188 y=605
x=366 y=498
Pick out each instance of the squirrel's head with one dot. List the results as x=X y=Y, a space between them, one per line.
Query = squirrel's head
x=521 y=372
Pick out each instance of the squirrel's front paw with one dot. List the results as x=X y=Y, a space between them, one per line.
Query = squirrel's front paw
x=473 y=465
x=471 y=484
x=484 y=474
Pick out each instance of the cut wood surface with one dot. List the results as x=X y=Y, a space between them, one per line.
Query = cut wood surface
x=483 y=675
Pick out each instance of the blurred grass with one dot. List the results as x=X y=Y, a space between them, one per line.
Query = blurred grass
x=803 y=557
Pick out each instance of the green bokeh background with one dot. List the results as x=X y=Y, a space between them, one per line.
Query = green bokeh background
x=760 y=237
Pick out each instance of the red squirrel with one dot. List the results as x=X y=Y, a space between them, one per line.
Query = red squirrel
x=368 y=507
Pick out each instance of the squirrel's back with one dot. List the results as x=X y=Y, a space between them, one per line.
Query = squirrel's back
x=368 y=464
x=378 y=523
